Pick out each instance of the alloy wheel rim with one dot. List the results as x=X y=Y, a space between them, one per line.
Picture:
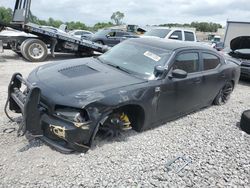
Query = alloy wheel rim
x=225 y=93
x=36 y=51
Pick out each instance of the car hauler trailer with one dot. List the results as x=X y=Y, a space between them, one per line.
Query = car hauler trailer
x=35 y=48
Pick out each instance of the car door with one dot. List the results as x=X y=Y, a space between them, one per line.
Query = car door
x=111 y=39
x=189 y=36
x=119 y=36
x=214 y=76
x=180 y=96
x=176 y=35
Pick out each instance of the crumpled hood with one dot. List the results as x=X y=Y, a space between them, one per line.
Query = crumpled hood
x=80 y=77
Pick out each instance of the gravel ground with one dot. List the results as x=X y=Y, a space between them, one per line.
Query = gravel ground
x=219 y=150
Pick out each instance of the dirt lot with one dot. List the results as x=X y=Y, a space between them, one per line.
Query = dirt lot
x=219 y=150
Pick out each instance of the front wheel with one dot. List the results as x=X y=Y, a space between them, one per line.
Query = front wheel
x=224 y=94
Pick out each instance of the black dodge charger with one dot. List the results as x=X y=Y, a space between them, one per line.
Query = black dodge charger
x=138 y=84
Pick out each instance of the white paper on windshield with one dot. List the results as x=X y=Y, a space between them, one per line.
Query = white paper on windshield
x=152 y=56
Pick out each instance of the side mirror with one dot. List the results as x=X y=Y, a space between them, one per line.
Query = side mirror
x=178 y=73
x=159 y=70
x=174 y=37
x=107 y=35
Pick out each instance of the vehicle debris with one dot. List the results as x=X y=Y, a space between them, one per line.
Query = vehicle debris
x=9 y=130
x=179 y=162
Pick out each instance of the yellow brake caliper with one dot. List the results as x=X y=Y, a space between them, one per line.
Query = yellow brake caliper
x=124 y=118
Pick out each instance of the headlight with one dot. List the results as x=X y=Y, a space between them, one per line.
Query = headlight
x=72 y=114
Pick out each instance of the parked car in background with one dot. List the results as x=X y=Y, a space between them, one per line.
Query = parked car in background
x=111 y=37
x=138 y=84
x=240 y=50
x=81 y=33
x=175 y=34
x=237 y=44
x=218 y=46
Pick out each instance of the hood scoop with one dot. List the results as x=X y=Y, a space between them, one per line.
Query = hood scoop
x=76 y=71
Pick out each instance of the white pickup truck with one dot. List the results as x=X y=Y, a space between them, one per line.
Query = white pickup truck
x=175 y=34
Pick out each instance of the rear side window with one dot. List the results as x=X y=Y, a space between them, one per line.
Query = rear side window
x=189 y=36
x=210 y=61
x=188 y=62
x=176 y=33
x=120 y=34
x=78 y=33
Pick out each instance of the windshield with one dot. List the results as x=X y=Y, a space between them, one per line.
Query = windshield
x=101 y=32
x=162 y=33
x=136 y=58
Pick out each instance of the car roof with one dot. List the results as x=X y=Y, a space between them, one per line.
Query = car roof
x=172 y=28
x=171 y=44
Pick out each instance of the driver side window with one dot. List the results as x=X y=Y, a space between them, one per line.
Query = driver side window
x=188 y=62
x=111 y=34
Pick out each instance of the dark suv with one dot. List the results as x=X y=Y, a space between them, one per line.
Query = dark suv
x=111 y=37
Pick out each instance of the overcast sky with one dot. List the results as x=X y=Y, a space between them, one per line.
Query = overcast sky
x=140 y=12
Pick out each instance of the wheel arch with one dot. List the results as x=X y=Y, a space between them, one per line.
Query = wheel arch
x=135 y=112
x=233 y=82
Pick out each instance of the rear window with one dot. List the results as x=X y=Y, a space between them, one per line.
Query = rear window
x=210 y=61
x=162 y=33
x=189 y=36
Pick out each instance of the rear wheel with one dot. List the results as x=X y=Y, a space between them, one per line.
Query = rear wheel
x=34 y=50
x=99 y=42
x=224 y=94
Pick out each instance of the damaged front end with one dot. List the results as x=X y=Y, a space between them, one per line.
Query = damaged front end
x=240 y=47
x=66 y=130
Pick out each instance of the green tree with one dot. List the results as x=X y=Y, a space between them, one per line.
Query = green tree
x=76 y=25
x=101 y=25
x=5 y=15
x=117 y=17
x=206 y=26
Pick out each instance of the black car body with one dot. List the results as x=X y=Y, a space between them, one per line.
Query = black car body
x=143 y=82
x=111 y=37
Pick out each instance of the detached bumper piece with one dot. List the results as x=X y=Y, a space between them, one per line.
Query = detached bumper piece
x=60 y=134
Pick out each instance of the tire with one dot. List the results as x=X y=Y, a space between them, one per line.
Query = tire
x=22 y=48
x=34 y=50
x=99 y=42
x=245 y=121
x=224 y=94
